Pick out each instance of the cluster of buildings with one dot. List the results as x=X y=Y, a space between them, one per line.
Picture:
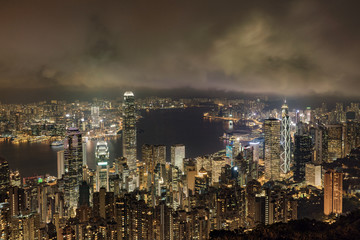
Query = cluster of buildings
x=246 y=184
x=312 y=145
x=47 y=121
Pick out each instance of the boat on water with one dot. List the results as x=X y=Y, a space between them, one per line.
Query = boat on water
x=57 y=143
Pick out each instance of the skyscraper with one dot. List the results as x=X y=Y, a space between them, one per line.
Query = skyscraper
x=4 y=220
x=4 y=179
x=320 y=141
x=313 y=174
x=129 y=130
x=95 y=118
x=249 y=155
x=152 y=155
x=60 y=164
x=178 y=155
x=217 y=164
x=147 y=157
x=307 y=113
x=352 y=135
x=256 y=146
x=335 y=141
x=302 y=155
x=272 y=148
x=333 y=188
x=102 y=165
x=73 y=153
x=285 y=139
x=279 y=205
x=160 y=154
x=84 y=153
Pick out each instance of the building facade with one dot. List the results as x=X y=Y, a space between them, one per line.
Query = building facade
x=73 y=159
x=272 y=148
x=285 y=140
x=333 y=187
x=178 y=155
x=129 y=130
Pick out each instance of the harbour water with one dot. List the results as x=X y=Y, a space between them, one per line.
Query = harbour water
x=186 y=126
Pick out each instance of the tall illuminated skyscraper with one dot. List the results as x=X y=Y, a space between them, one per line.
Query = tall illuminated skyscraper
x=333 y=187
x=129 y=130
x=95 y=118
x=102 y=165
x=272 y=148
x=285 y=139
x=302 y=155
x=147 y=157
x=335 y=141
x=73 y=158
x=178 y=155
x=60 y=164
x=320 y=135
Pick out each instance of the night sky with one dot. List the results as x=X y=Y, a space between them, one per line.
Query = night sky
x=288 y=48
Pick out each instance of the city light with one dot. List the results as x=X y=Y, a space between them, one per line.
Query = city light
x=171 y=120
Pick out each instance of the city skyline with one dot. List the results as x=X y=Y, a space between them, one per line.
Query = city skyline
x=177 y=120
x=104 y=188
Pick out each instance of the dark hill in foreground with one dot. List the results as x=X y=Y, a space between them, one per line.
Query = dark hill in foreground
x=346 y=227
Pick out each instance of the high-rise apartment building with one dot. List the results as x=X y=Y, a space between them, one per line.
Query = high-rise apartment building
x=313 y=174
x=335 y=141
x=5 y=220
x=4 y=179
x=95 y=118
x=129 y=130
x=251 y=171
x=339 y=111
x=60 y=164
x=272 y=148
x=252 y=189
x=333 y=187
x=152 y=155
x=307 y=114
x=256 y=148
x=25 y=226
x=279 y=206
x=84 y=144
x=159 y=154
x=217 y=164
x=320 y=141
x=17 y=200
x=352 y=135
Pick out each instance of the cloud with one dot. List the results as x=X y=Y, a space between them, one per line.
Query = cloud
x=284 y=47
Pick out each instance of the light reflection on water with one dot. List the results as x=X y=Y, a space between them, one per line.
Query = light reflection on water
x=167 y=127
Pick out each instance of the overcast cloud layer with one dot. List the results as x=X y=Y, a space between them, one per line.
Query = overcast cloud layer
x=281 y=47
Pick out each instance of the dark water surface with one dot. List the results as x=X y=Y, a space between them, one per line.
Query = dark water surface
x=167 y=127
